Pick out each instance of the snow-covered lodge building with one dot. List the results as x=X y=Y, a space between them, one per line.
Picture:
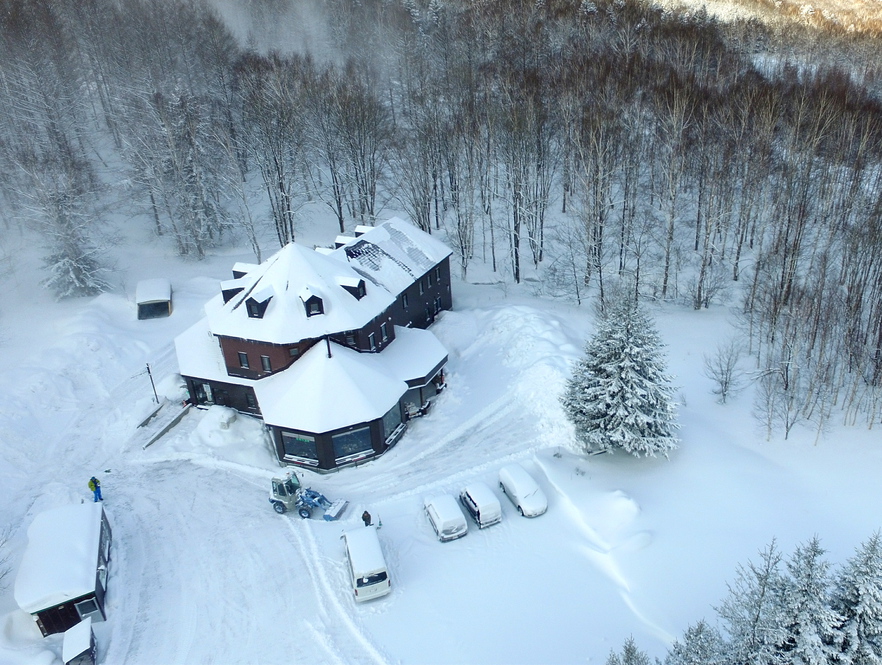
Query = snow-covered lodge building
x=328 y=347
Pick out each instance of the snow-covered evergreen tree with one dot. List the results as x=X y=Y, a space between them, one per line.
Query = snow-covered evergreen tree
x=810 y=627
x=631 y=655
x=857 y=597
x=73 y=265
x=752 y=612
x=701 y=645
x=619 y=396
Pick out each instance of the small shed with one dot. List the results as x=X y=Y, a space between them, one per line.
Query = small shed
x=78 y=647
x=154 y=298
x=63 y=575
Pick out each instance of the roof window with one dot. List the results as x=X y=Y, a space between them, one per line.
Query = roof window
x=314 y=305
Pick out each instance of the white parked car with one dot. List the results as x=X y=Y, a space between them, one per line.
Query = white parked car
x=367 y=567
x=446 y=517
x=481 y=504
x=524 y=492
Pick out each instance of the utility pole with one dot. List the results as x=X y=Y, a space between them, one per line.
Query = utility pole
x=153 y=385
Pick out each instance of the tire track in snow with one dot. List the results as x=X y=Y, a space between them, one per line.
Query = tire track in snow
x=600 y=553
x=394 y=474
x=323 y=588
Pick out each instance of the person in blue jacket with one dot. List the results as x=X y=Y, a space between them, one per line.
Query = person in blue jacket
x=95 y=486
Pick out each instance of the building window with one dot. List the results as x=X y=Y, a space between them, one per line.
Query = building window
x=384 y=331
x=404 y=301
x=438 y=273
x=314 y=306
x=422 y=290
x=265 y=363
x=299 y=445
x=250 y=400
x=352 y=443
x=350 y=340
x=437 y=305
x=87 y=608
x=372 y=341
x=257 y=308
x=243 y=360
x=391 y=421
x=294 y=351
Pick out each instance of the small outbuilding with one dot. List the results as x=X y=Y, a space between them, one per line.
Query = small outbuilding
x=78 y=646
x=63 y=575
x=154 y=298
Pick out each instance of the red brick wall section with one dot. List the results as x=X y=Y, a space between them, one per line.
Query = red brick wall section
x=279 y=355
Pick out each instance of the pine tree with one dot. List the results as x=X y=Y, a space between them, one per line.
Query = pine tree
x=73 y=264
x=619 y=395
x=631 y=655
x=752 y=613
x=701 y=645
x=811 y=628
x=857 y=596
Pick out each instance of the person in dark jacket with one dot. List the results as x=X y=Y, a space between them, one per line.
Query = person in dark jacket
x=95 y=486
x=366 y=518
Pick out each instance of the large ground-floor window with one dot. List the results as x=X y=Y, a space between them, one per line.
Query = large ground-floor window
x=299 y=445
x=352 y=443
x=391 y=421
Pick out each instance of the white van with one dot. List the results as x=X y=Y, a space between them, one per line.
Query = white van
x=481 y=504
x=525 y=494
x=446 y=517
x=367 y=567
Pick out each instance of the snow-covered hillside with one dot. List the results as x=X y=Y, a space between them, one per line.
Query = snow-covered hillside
x=203 y=570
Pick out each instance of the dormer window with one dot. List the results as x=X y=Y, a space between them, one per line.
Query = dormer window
x=314 y=306
x=258 y=302
x=231 y=288
x=354 y=286
x=256 y=310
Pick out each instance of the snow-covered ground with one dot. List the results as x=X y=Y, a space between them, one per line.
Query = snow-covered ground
x=203 y=570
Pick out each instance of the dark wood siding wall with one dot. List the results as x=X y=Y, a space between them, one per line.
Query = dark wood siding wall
x=279 y=355
x=427 y=296
x=327 y=460
x=61 y=617
x=360 y=339
x=224 y=394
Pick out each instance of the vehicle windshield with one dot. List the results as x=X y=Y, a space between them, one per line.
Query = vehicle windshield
x=370 y=580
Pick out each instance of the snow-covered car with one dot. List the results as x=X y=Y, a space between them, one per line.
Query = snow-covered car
x=481 y=504
x=522 y=490
x=446 y=517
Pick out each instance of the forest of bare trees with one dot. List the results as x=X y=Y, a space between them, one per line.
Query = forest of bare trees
x=583 y=144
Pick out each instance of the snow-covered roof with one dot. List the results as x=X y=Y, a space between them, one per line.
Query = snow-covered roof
x=245 y=268
x=59 y=562
x=290 y=273
x=77 y=640
x=153 y=290
x=395 y=254
x=319 y=394
x=413 y=354
x=199 y=355
x=364 y=550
